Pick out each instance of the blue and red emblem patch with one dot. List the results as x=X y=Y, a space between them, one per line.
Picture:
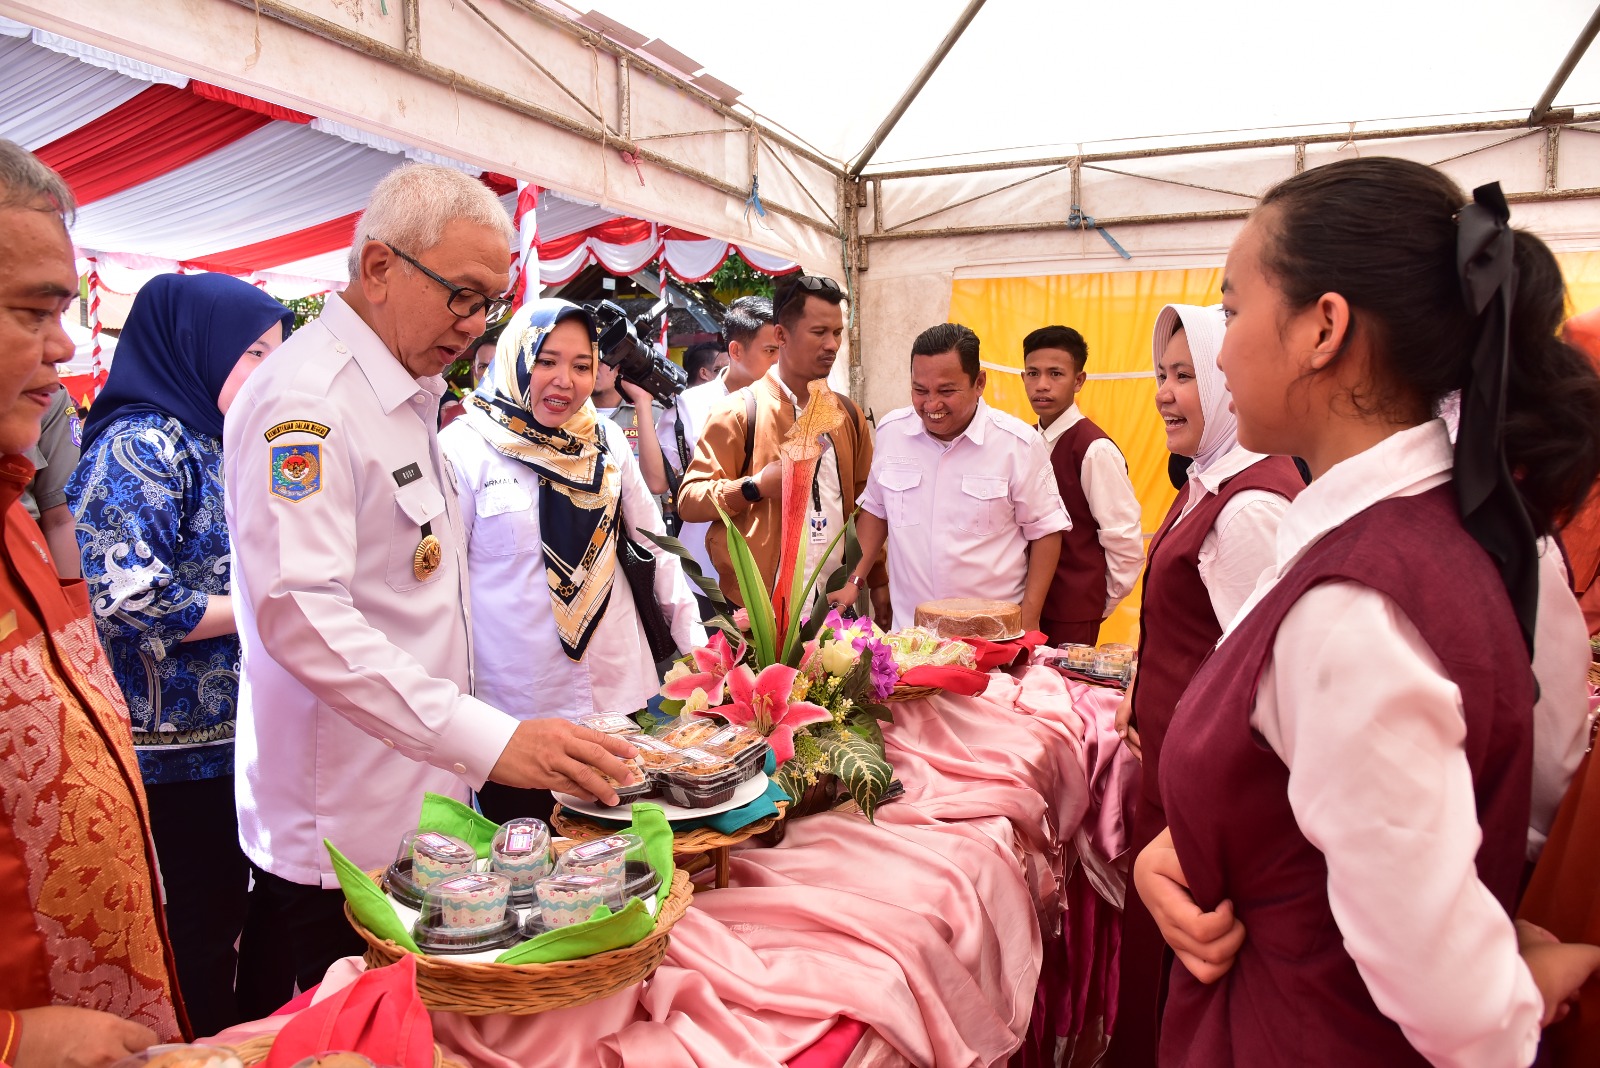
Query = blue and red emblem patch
x=296 y=471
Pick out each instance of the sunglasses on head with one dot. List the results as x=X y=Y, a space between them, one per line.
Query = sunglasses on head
x=804 y=283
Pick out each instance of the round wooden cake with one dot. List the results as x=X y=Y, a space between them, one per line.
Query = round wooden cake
x=971 y=617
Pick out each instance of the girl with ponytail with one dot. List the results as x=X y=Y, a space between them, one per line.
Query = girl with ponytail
x=1347 y=778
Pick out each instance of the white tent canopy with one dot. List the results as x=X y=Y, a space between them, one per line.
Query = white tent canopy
x=595 y=105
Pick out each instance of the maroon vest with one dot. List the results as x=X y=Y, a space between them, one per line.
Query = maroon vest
x=1294 y=996
x=1078 y=592
x=1177 y=626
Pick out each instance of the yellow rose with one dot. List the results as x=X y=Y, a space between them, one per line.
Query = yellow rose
x=838 y=658
x=696 y=703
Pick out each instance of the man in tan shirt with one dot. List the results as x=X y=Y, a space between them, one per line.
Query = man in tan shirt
x=736 y=464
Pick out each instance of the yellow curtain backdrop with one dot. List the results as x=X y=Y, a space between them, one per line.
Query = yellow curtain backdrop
x=1115 y=312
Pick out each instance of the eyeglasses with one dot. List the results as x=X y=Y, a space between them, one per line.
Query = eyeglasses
x=804 y=283
x=463 y=302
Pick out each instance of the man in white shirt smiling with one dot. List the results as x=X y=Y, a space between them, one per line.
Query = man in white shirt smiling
x=964 y=495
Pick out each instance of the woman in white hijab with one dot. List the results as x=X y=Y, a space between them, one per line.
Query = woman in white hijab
x=1217 y=539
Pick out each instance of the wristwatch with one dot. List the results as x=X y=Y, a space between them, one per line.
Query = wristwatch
x=751 y=490
x=857 y=581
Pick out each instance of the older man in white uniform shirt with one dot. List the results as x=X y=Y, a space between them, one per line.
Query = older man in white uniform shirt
x=350 y=580
x=964 y=495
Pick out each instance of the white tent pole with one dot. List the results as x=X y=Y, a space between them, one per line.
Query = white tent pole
x=1574 y=54
x=887 y=126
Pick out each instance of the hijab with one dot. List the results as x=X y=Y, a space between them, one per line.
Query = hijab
x=579 y=481
x=1204 y=328
x=182 y=339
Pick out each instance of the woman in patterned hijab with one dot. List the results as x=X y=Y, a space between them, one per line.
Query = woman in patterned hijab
x=545 y=486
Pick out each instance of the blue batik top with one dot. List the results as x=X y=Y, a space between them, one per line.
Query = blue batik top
x=147 y=501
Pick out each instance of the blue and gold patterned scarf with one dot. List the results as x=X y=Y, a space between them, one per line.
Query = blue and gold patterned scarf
x=579 y=482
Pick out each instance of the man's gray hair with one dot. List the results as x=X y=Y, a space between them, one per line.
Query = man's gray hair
x=25 y=182
x=413 y=204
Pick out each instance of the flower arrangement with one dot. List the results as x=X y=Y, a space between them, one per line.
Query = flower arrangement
x=814 y=685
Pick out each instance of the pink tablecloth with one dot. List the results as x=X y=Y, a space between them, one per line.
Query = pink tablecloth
x=927 y=927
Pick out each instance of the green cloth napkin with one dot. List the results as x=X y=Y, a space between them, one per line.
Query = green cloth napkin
x=604 y=932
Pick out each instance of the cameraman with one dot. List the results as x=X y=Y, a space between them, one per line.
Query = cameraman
x=621 y=401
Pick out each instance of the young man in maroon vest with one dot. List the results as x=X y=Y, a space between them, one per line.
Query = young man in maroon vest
x=1102 y=553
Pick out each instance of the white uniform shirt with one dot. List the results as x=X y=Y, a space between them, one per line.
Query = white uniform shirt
x=693 y=406
x=1372 y=732
x=520 y=664
x=1242 y=543
x=1112 y=503
x=353 y=694
x=961 y=515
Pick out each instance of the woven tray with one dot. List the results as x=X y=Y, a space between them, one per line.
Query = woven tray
x=912 y=693
x=490 y=989
x=255 y=1050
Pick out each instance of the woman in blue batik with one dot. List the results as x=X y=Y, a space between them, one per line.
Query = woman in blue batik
x=147 y=501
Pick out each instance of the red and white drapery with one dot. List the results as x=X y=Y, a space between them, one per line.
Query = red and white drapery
x=176 y=174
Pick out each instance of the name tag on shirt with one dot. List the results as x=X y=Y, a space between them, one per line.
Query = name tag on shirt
x=819 y=529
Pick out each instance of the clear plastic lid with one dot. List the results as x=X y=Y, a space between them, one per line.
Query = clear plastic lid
x=701 y=765
x=566 y=898
x=182 y=1055
x=745 y=746
x=654 y=754
x=1078 y=656
x=521 y=852
x=611 y=723
x=641 y=786
x=423 y=859
x=689 y=731
x=604 y=856
x=335 y=1059
x=465 y=913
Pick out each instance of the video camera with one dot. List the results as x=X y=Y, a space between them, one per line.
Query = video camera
x=634 y=361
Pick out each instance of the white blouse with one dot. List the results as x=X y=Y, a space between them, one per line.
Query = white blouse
x=520 y=665
x=1358 y=707
x=1242 y=542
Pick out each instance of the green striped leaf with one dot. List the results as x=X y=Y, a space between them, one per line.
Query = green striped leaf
x=860 y=766
x=757 y=599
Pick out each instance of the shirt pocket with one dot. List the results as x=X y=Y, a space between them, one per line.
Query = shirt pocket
x=984 y=506
x=900 y=483
x=415 y=505
x=504 y=524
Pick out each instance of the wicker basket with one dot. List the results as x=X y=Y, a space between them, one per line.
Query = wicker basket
x=255 y=1050
x=490 y=989
x=686 y=845
x=912 y=693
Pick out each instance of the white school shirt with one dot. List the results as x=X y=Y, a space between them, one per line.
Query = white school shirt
x=356 y=674
x=825 y=523
x=696 y=404
x=1112 y=503
x=520 y=665
x=1242 y=543
x=961 y=514
x=1561 y=658
x=1372 y=732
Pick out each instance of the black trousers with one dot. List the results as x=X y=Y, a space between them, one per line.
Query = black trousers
x=205 y=877
x=292 y=934
x=503 y=803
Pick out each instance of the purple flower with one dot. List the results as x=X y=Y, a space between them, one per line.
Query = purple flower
x=884 y=672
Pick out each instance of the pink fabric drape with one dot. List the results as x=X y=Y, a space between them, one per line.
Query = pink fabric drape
x=927 y=927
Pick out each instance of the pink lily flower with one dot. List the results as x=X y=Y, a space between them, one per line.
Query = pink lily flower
x=712 y=662
x=763 y=703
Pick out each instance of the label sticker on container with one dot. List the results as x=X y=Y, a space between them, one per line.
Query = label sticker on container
x=437 y=844
x=655 y=745
x=590 y=850
x=724 y=736
x=520 y=840
x=465 y=883
x=700 y=756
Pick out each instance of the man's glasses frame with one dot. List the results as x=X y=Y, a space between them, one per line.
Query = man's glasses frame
x=804 y=283
x=463 y=302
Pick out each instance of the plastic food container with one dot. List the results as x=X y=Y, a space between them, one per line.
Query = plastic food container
x=688 y=733
x=746 y=748
x=335 y=1059
x=656 y=755
x=641 y=787
x=703 y=780
x=521 y=852
x=566 y=898
x=604 y=856
x=1078 y=657
x=611 y=723
x=423 y=859
x=182 y=1055
x=1113 y=660
x=467 y=913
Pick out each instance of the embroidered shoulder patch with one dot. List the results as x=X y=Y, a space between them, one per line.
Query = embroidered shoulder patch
x=296 y=426
x=296 y=471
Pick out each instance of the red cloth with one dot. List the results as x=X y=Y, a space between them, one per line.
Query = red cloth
x=248 y=103
x=833 y=1049
x=992 y=655
x=964 y=681
x=157 y=131
x=1294 y=995
x=379 y=1016
x=286 y=248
